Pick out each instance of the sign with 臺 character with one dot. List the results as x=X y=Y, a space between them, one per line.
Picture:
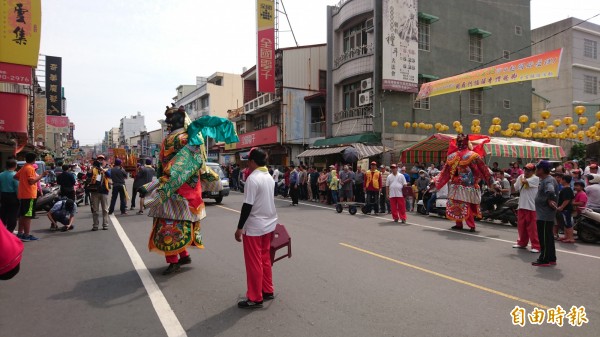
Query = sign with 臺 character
x=400 y=46
x=54 y=85
x=20 y=30
x=265 y=63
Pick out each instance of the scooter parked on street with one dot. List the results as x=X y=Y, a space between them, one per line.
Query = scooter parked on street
x=587 y=225
x=48 y=198
x=505 y=211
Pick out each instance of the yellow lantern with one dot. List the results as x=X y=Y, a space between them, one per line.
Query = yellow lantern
x=593 y=129
x=517 y=126
x=568 y=120
x=597 y=124
x=523 y=119
x=497 y=128
x=476 y=122
x=496 y=121
x=406 y=125
x=562 y=135
x=545 y=134
x=533 y=125
x=421 y=125
x=438 y=126
x=598 y=115
x=550 y=128
x=582 y=120
x=542 y=124
x=415 y=125
x=545 y=114
x=557 y=122
x=455 y=124
x=553 y=135
x=459 y=129
x=394 y=124
x=573 y=127
x=527 y=131
x=579 y=110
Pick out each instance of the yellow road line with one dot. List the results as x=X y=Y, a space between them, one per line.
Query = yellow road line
x=450 y=278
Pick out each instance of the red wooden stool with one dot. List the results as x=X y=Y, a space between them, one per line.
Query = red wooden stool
x=281 y=239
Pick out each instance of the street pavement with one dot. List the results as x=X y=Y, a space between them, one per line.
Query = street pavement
x=349 y=276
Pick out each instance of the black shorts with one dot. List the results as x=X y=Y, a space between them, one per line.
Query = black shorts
x=27 y=208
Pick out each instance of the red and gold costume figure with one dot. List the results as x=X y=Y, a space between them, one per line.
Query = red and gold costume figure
x=463 y=170
x=175 y=200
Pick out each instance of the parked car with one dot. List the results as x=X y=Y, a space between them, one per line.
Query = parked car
x=218 y=189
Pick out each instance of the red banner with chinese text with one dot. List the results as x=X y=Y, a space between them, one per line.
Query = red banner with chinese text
x=265 y=63
x=15 y=73
x=13 y=112
x=266 y=136
x=545 y=65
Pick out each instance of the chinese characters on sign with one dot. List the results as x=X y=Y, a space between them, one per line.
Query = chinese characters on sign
x=265 y=64
x=20 y=31
x=53 y=85
x=400 y=46
x=576 y=316
x=534 y=67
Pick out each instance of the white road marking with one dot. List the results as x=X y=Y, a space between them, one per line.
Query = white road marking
x=166 y=315
x=449 y=230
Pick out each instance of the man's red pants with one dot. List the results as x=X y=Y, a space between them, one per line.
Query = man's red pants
x=398 y=208
x=259 y=275
x=527 y=228
x=175 y=258
x=470 y=218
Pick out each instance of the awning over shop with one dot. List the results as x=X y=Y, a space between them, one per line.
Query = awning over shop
x=364 y=138
x=367 y=151
x=322 y=152
x=435 y=148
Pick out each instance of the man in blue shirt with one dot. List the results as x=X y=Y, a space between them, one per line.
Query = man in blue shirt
x=9 y=211
x=63 y=211
x=294 y=185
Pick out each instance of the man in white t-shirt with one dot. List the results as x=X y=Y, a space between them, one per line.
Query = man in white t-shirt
x=258 y=219
x=527 y=186
x=394 y=184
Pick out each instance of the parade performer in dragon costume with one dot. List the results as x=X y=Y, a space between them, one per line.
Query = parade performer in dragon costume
x=175 y=200
x=463 y=171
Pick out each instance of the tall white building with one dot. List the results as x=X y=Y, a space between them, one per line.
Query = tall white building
x=579 y=75
x=129 y=127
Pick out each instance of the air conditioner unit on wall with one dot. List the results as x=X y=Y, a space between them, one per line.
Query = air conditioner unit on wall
x=366 y=84
x=364 y=98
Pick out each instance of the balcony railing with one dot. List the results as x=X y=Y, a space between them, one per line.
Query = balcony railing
x=353 y=53
x=317 y=129
x=336 y=7
x=352 y=113
x=259 y=102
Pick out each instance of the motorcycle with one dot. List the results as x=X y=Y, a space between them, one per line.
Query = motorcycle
x=506 y=211
x=440 y=202
x=48 y=198
x=280 y=188
x=79 y=192
x=587 y=225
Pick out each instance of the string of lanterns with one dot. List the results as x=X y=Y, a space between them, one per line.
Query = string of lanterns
x=537 y=130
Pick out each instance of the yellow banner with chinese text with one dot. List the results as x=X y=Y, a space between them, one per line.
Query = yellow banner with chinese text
x=544 y=65
x=20 y=31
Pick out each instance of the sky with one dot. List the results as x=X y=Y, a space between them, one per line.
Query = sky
x=121 y=57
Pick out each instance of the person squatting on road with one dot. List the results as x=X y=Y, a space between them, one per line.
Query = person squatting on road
x=545 y=210
x=463 y=170
x=62 y=211
x=395 y=183
x=527 y=185
x=98 y=185
x=257 y=222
